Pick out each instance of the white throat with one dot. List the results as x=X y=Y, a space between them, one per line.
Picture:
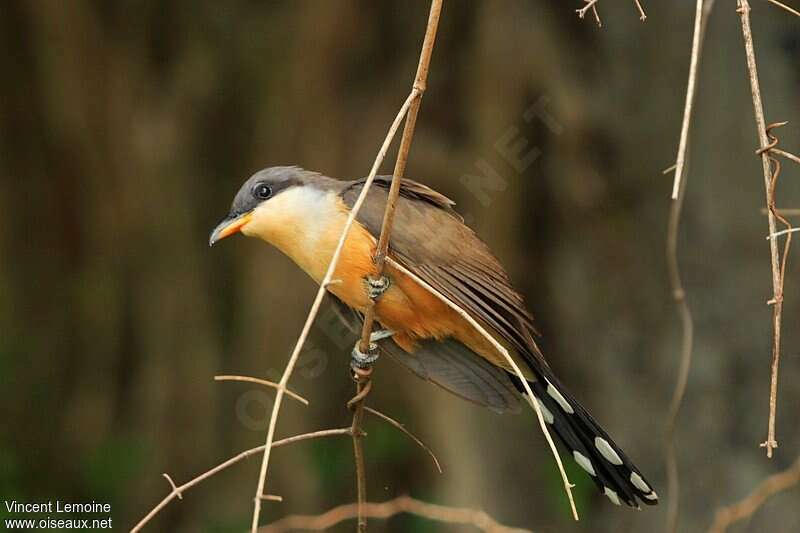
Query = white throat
x=300 y=222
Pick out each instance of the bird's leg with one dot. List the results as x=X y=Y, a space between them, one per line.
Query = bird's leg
x=361 y=360
x=380 y=334
x=377 y=286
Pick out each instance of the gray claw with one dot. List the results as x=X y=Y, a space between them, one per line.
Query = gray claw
x=359 y=359
x=376 y=287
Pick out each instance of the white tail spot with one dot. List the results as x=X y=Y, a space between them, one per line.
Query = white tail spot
x=611 y=495
x=546 y=414
x=652 y=496
x=554 y=394
x=584 y=461
x=607 y=451
x=639 y=483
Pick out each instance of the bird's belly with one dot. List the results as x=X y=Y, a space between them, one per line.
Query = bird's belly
x=406 y=308
x=355 y=265
x=412 y=312
x=310 y=235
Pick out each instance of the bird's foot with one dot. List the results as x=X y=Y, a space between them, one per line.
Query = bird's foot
x=377 y=286
x=359 y=359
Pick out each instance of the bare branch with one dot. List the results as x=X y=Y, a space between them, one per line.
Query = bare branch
x=264 y=382
x=642 y=15
x=784 y=6
x=387 y=509
x=787 y=212
x=769 y=180
x=501 y=349
x=590 y=4
x=172 y=484
x=748 y=506
x=702 y=13
x=312 y=315
x=420 y=83
x=582 y=11
x=782 y=232
x=687 y=342
x=363 y=378
x=700 y=20
x=410 y=435
x=787 y=155
x=177 y=492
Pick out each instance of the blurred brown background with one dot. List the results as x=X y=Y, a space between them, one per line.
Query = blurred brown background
x=127 y=127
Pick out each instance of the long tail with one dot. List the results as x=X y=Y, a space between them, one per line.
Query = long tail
x=590 y=446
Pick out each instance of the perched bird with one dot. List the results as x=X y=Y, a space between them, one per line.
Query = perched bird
x=302 y=213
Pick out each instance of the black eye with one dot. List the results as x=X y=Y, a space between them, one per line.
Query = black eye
x=262 y=191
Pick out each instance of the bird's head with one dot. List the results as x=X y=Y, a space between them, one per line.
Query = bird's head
x=251 y=206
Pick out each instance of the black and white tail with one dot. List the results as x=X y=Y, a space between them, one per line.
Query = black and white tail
x=590 y=446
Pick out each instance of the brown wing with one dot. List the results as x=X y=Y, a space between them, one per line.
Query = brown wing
x=432 y=241
x=451 y=258
x=449 y=364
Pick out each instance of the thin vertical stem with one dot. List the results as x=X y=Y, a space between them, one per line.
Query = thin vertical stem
x=358 y=456
x=420 y=83
x=691 y=91
x=777 y=285
x=702 y=12
x=312 y=314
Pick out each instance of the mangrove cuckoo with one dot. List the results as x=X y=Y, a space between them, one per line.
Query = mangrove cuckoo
x=303 y=213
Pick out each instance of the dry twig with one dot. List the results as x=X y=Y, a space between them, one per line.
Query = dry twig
x=420 y=84
x=782 y=232
x=264 y=382
x=363 y=386
x=501 y=349
x=748 y=506
x=787 y=212
x=312 y=315
x=678 y=294
x=177 y=492
x=769 y=180
x=401 y=427
x=592 y=4
x=172 y=484
x=787 y=155
x=776 y=165
x=387 y=509
x=700 y=20
x=687 y=342
x=363 y=376
x=582 y=11
x=642 y=14
x=784 y=6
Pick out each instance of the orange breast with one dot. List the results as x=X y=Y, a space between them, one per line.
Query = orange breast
x=306 y=225
x=406 y=308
